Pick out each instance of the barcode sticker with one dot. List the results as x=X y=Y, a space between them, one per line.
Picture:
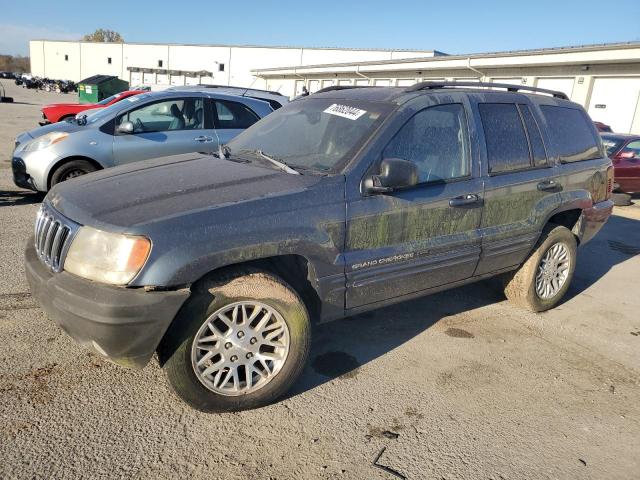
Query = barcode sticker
x=352 y=113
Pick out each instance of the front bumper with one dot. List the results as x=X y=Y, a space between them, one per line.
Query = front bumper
x=20 y=176
x=122 y=324
x=593 y=219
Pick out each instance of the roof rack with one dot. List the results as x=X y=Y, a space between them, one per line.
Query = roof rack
x=229 y=87
x=340 y=87
x=509 y=87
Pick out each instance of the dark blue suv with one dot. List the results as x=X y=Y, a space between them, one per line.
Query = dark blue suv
x=337 y=203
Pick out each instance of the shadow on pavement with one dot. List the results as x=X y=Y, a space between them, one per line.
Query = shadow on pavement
x=340 y=347
x=617 y=242
x=21 y=197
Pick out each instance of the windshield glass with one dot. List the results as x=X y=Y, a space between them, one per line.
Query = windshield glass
x=108 y=99
x=612 y=144
x=104 y=113
x=316 y=134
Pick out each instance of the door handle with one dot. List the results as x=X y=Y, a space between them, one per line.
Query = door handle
x=465 y=200
x=203 y=138
x=549 y=186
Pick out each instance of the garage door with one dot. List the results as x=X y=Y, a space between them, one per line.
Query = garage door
x=614 y=101
x=136 y=79
x=564 y=85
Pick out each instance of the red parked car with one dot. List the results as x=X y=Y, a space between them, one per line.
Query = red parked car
x=59 y=112
x=602 y=127
x=624 y=151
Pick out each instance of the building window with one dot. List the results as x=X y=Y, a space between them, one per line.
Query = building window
x=109 y=60
x=66 y=58
x=221 y=67
x=159 y=63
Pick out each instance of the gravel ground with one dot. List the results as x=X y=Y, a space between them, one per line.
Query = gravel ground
x=456 y=385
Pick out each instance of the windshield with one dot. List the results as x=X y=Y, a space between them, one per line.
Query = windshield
x=612 y=144
x=108 y=99
x=315 y=134
x=104 y=113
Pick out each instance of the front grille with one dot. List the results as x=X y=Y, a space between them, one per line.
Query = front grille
x=53 y=237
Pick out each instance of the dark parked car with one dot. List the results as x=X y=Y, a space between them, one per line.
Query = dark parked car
x=624 y=151
x=337 y=203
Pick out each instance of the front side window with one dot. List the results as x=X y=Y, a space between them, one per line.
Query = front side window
x=506 y=140
x=571 y=133
x=232 y=115
x=166 y=115
x=436 y=140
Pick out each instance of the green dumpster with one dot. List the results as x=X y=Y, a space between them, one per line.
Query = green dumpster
x=99 y=87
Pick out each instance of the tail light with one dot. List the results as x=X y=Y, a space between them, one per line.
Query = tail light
x=609 y=181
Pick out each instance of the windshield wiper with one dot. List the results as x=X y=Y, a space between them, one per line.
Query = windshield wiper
x=281 y=165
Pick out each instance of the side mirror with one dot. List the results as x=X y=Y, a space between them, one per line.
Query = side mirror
x=395 y=173
x=125 y=128
x=626 y=155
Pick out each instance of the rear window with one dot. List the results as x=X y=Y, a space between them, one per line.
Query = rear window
x=507 y=146
x=571 y=134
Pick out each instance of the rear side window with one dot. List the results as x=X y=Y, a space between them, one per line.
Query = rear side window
x=435 y=139
x=571 y=133
x=507 y=145
x=232 y=115
x=535 y=139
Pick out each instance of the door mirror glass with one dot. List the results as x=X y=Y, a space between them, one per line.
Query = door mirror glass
x=125 y=128
x=627 y=155
x=395 y=174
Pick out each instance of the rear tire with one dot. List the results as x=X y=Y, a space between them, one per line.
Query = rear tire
x=198 y=331
x=543 y=279
x=71 y=169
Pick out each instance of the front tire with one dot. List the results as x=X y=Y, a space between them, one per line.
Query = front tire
x=543 y=279
x=71 y=169
x=239 y=343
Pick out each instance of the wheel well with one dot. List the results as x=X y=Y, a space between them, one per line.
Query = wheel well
x=67 y=160
x=296 y=270
x=568 y=218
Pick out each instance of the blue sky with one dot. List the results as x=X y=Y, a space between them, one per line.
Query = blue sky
x=452 y=27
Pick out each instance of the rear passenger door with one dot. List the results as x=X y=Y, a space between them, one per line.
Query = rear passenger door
x=229 y=118
x=520 y=182
x=411 y=240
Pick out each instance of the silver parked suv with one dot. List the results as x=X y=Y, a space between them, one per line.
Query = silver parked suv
x=140 y=127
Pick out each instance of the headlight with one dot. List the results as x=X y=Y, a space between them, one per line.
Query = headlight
x=45 y=141
x=106 y=257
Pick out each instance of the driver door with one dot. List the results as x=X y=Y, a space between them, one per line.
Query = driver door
x=411 y=240
x=161 y=128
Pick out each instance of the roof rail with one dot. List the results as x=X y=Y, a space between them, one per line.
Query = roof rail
x=339 y=87
x=509 y=87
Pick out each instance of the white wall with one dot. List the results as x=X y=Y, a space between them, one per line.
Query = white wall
x=55 y=64
x=94 y=58
x=87 y=59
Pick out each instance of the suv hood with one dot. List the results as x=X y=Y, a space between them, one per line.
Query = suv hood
x=125 y=198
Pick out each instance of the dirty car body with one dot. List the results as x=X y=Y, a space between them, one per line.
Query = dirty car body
x=336 y=232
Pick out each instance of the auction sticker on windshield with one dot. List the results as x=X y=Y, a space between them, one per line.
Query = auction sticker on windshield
x=352 y=113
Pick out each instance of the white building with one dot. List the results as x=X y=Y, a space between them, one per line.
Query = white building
x=605 y=79
x=165 y=65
